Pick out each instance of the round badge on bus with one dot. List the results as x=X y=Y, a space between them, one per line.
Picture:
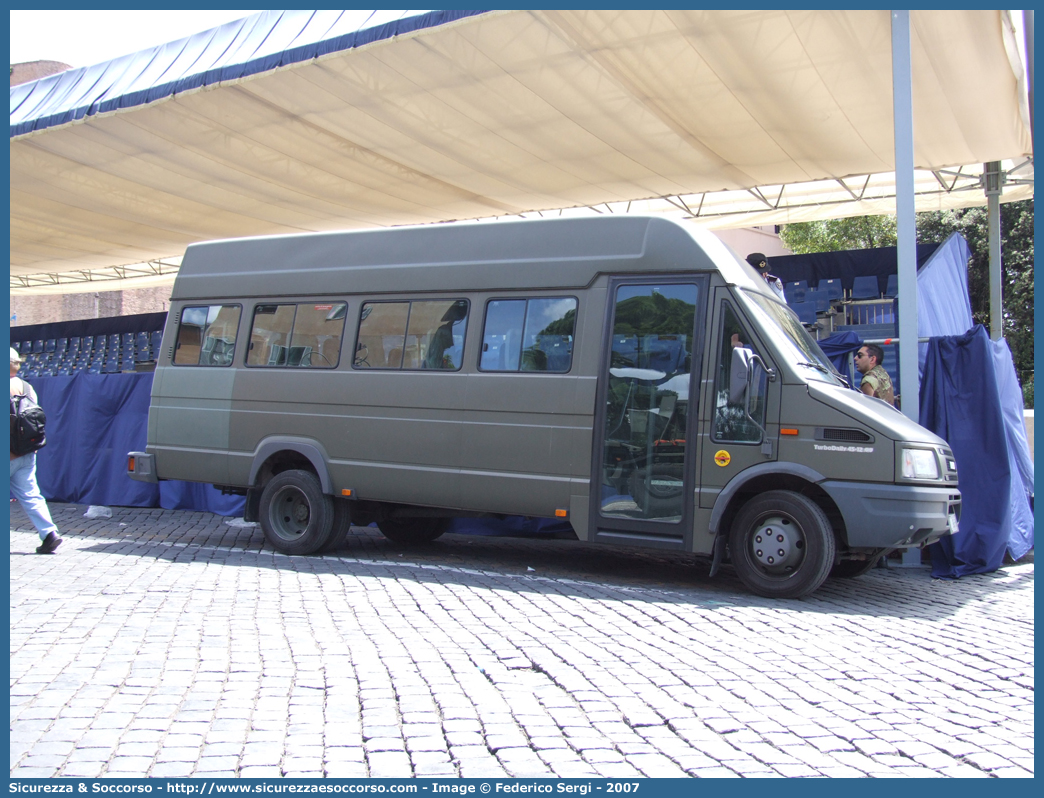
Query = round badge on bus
x=722 y=458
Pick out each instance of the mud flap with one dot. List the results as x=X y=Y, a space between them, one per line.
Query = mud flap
x=718 y=555
x=253 y=504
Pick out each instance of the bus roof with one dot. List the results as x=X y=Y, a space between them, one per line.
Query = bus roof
x=506 y=255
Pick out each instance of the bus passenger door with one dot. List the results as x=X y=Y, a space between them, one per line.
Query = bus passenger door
x=734 y=439
x=643 y=471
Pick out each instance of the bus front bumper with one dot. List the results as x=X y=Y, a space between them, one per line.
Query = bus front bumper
x=895 y=516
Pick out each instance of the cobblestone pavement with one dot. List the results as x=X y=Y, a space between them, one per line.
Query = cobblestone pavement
x=170 y=643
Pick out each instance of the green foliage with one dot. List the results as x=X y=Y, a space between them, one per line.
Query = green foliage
x=562 y=326
x=835 y=235
x=653 y=315
x=933 y=228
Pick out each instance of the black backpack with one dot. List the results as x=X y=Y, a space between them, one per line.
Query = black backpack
x=27 y=426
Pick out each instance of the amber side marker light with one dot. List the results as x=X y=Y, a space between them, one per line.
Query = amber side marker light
x=787 y=431
x=346 y=492
x=130 y=464
x=561 y=513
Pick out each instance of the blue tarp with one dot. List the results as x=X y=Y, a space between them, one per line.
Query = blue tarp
x=961 y=402
x=944 y=311
x=838 y=347
x=93 y=420
x=1013 y=408
x=265 y=41
x=943 y=301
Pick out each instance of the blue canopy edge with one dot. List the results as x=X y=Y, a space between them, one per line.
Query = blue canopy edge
x=229 y=52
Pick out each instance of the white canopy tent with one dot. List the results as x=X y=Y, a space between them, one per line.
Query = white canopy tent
x=286 y=122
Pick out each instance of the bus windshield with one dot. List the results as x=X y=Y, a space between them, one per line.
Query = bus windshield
x=782 y=325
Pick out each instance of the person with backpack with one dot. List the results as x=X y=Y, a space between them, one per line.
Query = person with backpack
x=27 y=436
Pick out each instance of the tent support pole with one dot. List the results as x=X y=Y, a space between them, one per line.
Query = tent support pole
x=906 y=220
x=993 y=179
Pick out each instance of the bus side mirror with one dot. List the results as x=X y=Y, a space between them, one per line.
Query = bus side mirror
x=742 y=373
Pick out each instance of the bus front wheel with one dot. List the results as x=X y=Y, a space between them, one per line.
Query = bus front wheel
x=295 y=515
x=781 y=545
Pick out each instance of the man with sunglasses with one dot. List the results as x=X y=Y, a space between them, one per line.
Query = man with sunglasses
x=876 y=381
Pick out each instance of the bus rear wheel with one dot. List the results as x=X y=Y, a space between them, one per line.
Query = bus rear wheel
x=412 y=530
x=781 y=545
x=295 y=515
x=342 y=525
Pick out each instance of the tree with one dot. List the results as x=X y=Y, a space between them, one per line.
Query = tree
x=933 y=228
x=835 y=235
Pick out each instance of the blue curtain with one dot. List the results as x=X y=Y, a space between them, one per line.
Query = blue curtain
x=837 y=347
x=93 y=421
x=960 y=402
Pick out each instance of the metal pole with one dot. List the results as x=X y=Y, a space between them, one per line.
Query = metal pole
x=906 y=222
x=993 y=179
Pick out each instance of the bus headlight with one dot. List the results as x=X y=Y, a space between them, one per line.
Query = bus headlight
x=920 y=464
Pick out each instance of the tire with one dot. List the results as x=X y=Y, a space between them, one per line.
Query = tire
x=295 y=515
x=850 y=569
x=411 y=531
x=342 y=525
x=801 y=533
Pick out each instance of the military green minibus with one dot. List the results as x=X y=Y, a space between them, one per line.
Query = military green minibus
x=627 y=374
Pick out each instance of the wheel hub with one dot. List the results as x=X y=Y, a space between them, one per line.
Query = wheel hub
x=778 y=545
x=291 y=514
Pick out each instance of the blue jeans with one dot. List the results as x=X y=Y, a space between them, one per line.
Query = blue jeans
x=25 y=489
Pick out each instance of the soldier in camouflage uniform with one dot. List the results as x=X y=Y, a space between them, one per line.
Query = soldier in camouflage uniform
x=876 y=381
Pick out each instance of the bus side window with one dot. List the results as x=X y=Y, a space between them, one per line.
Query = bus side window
x=270 y=335
x=316 y=339
x=730 y=421
x=382 y=334
x=420 y=335
x=437 y=333
x=529 y=335
x=207 y=335
x=304 y=335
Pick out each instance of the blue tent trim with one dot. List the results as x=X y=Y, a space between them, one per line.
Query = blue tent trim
x=250 y=46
